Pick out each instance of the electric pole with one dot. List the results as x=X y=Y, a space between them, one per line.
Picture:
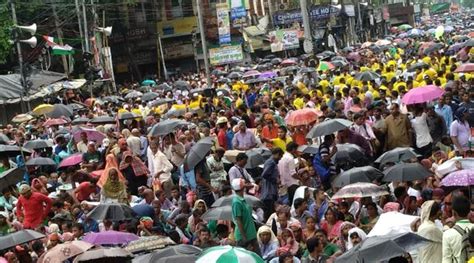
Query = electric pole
x=308 y=43
x=86 y=34
x=79 y=22
x=60 y=37
x=20 y=57
x=203 y=41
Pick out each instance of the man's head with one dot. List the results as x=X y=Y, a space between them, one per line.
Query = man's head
x=241 y=159
x=91 y=147
x=277 y=153
x=292 y=147
x=395 y=109
x=77 y=230
x=122 y=143
x=204 y=235
x=314 y=245
x=25 y=191
x=242 y=126
x=461 y=206
x=322 y=236
x=84 y=137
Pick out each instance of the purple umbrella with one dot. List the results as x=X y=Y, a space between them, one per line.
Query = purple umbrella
x=251 y=73
x=92 y=135
x=459 y=178
x=268 y=74
x=110 y=238
x=354 y=56
x=456 y=47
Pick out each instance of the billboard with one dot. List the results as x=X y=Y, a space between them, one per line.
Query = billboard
x=226 y=55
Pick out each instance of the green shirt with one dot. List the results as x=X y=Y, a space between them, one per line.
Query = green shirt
x=241 y=209
x=330 y=249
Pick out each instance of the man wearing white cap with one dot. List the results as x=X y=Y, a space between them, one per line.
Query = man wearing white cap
x=32 y=208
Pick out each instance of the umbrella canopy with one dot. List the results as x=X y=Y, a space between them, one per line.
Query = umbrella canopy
x=133 y=95
x=227 y=201
x=60 y=110
x=72 y=160
x=150 y=96
x=328 y=127
x=174 y=113
x=54 y=122
x=383 y=42
x=4 y=139
x=229 y=254
x=149 y=243
x=40 y=161
x=392 y=222
x=166 y=127
x=128 y=116
x=218 y=213
x=98 y=254
x=404 y=172
x=38 y=144
x=18 y=238
x=11 y=150
x=469 y=43
x=80 y=120
x=459 y=178
x=76 y=106
x=288 y=62
x=323 y=66
x=251 y=74
x=198 y=152
x=405 y=27
x=218 y=72
x=306 y=70
x=367 y=76
x=102 y=119
x=454 y=164
x=396 y=155
x=113 y=99
x=302 y=117
x=110 y=238
x=112 y=212
x=255 y=158
x=418 y=65
x=433 y=48
x=234 y=75
x=268 y=74
x=309 y=149
x=171 y=251
x=364 y=174
x=62 y=252
x=148 y=82
x=182 y=85
x=177 y=259
x=11 y=177
x=358 y=190
x=276 y=61
x=422 y=94
x=161 y=101
x=22 y=118
x=92 y=135
x=43 y=109
x=350 y=154
x=465 y=68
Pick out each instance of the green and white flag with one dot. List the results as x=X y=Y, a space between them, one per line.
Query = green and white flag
x=229 y=254
x=58 y=49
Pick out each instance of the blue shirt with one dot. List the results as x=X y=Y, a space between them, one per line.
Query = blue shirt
x=445 y=112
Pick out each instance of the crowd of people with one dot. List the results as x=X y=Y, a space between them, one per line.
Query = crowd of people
x=279 y=178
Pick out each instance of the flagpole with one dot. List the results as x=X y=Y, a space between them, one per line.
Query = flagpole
x=60 y=37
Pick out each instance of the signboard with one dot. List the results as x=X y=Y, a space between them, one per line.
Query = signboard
x=178 y=51
x=350 y=10
x=315 y=13
x=226 y=55
x=223 y=23
x=284 y=40
x=238 y=16
x=177 y=27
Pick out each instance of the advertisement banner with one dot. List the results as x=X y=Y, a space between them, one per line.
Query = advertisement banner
x=223 y=23
x=238 y=16
x=226 y=55
x=315 y=13
x=284 y=40
x=177 y=27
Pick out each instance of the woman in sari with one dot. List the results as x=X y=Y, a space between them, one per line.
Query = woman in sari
x=368 y=222
x=134 y=170
x=344 y=236
x=110 y=162
x=332 y=223
x=268 y=242
x=288 y=244
x=114 y=190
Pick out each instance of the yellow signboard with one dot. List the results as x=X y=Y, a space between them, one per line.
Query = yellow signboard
x=177 y=27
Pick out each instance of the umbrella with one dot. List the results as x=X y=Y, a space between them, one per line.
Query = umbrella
x=416 y=32
x=102 y=120
x=148 y=82
x=392 y=222
x=198 y=152
x=54 y=122
x=234 y=75
x=150 y=96
x=469 y=43
x=99 y=254
x=43 y=109
x=142 y=209
x=340 y=63
x=433 y=48
x=76 y=106
x=92 y=135
x=149 y=243
x=161 y=102
x=383 y=248
x=229 y=254
x=323 y=66
x=349 y=153
x=60 y=110
x=459 y=178
x=422 y=94
x=224 y=80
x=128 y=116
x=4 y=139
x=405 y=27
x=62 y=252
x=288 y=62
x=383 y=42
x=396 y=155
x=22 y=118
x=72 y=160
x=10 y=177
x=364 y=174
x=18 y=238
x=456 y=47
x=455 y=164
x=328 y=127
x=165 y=127
x=11 y=150
x=302 y=117
x=40 y=161
x=110 y=238
x=418 y=65
x=113 y=99
x=133 y=95
x=227 y=201
x=174 y=113
x=367 y=76
x=81 y=120
x=218 y=213
x=268 y=74
x=251 y=74
x=218 y=72
x=354 y=56
x=276 y=61
x=307 y=70
x=348 y=49
x=171 y=251
x=182 y=85
x=255 y=159
x=112 y=212
x=404 y=172
x=358 y=190
x=309 y=149
x=366 y=44
x=177 y=259
x=465 y=68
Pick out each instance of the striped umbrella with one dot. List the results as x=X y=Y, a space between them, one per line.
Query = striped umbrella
x=323 y=66
x=229 y=254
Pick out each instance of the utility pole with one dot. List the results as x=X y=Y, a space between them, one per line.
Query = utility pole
x=308 y=43
x=20 y=57
x=60 y=37
x=79 y=22
x=86 y=34
x=203 y=41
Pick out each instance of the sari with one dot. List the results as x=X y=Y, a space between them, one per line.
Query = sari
x=113 y=191
x=110 y=162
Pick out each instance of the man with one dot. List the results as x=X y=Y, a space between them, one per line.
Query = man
x=82 y=144
x=436 y=125
x=270 y=180
x=222 y=132
x=203 y=181
x=453 y=250
x=32 y=208
x=301 y=213
x=175 y=152
x=244 y=139
x=349 y=136
x=270 y=130
x=460 y=131
x=330 y=249
x=204 y=239
x=281 y=140
x=91 y=159
x=162 y=167
x=239 y=171
x=287 y=169
x=134 y=142
x=315 y=248
x=444 y=111
x=322 y=162
x=78 y=231
x=397 y=129
x=320 y=204
x=245 y=232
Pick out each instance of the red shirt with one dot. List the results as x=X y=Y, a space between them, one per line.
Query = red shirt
x=269 y=134
x=83 y=191
x=34 y=209
x=222 y=138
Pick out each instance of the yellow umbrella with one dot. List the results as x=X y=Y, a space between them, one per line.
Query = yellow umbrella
x=43 y=109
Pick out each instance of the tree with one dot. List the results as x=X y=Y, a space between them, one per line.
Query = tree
x=5 y=33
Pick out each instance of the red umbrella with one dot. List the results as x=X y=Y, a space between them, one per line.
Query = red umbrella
x=53 y=122
x=72 y=160
x=303 y=117
x=465 y=68
x=97 y=173
x=288 y=62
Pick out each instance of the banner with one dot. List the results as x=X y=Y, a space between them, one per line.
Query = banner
x=226 y=55
x=238 y=16
x=315 y=13
x=284 y=40
x=177 y=27
x=223 y=23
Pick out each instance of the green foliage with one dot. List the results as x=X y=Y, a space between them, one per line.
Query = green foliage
x=5 y=35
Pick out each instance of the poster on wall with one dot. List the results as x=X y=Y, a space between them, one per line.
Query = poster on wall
x=238 y=13
x=284 y=40
x=226 y=55
x=223 y=23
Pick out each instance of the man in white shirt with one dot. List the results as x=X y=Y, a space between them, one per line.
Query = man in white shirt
x=82 y=145
x=162 y=167
x=288 y=175
x=134 y=142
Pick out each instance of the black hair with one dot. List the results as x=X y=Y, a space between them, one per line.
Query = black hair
x=241 y=156
x=277 y=150
x=291 y=146
x=461 y=205
x=298 y=202
x=435 y=208
x=399 y=191
x=312 y=244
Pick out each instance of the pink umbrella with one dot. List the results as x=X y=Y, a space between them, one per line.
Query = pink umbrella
x=465 y=68
x=97 y=173
x=268 y=74
x=92 y=135
x=53 y=122
x=251 y=73
x=422 y=94
x=72 y=160
x=354 y=56
x=288 y=62
x=459 y=178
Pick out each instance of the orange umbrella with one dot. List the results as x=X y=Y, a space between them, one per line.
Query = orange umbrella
x=303 y=117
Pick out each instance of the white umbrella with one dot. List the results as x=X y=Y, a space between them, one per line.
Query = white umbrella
x=451 y=165
x=392 y=222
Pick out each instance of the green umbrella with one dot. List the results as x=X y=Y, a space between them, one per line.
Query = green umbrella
x=405 y=27
x=323 y=66
x=229 y=254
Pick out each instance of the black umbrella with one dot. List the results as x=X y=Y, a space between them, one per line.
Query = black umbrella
x=170 y=251
x=433 y=48
x=307 y=70
x=81 y=120
x=469 y=43
x=174 y=113
x=223 y=80
x=150 y=96
x=276 y=61
x=182 y=85
x=197 y=91
x=113 y=99
x=309 y=149
x=396 y=155
x=11 y=177
x=76 y=106
x=178 y=259
x=164 y=87
x=349 y=155
x=60 y=110
x=133 y=95
x=364 y=174
x=165 y=127
x=227 y=201
x=348 y=49
x=328 y=127
x=339 y=63
x=161 y=102
x=128 y=116
x=367 y=76
x=112 y=212
x=418 y=65
x=4 y=139
x=18 y=238
x=103 y=119
x=382 y=248
x=224 y=92
x=218 y=72
x=234 y=75
x=40 y=161
x=198 y=152
x=218 y=213
x=11 y=150
x=404 y=172
x=255 y=159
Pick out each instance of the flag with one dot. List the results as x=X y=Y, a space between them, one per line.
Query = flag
x=56 y=48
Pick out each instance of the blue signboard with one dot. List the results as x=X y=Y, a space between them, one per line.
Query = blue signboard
x=315 y=13
x=238 y=16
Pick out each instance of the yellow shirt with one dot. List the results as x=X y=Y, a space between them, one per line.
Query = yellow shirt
x=324 y=84
x=277 y=142
x=298 y=103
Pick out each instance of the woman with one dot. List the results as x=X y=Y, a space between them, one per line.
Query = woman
x=110 y=162
x=288 y=243
x=201 y=207
x=356 y=236
x=114 y=190
x=268 y=242
x=344 y=236
x=431 y=253
x=135 y=172
x=368 y=222
x=310 y=229
x=332 y=223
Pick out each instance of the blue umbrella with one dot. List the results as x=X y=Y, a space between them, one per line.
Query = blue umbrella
x=148 y=82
